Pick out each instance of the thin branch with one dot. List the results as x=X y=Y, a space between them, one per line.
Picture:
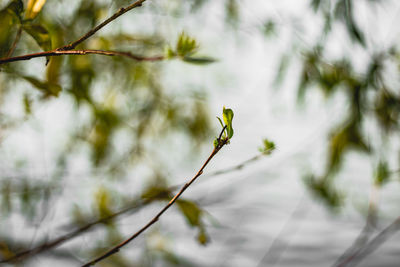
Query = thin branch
x=365 y=233
x=135 y=205
x=56 y=52
x=16 y=40
x=375 y=243
x=221 y=143
x=120 y=12
x=68 y=49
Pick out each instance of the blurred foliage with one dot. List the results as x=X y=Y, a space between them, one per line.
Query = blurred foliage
x=112 y=96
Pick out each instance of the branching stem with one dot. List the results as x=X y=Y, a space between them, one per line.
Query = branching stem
x=217 y=148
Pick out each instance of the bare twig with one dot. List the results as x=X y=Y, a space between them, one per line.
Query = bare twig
x=135 y=205
x=120 y=12
x=68 y=49
x=365 y=233
x=375 y=243
x=217 y=148
x=56 y=52
x=16 y=40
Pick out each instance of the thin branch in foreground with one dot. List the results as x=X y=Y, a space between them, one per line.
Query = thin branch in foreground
x=14 y=44
x=365 y=234
x=69 y=47
x=374 y=244
x=120 y=12
x=135 y=205
x=221 y=142
x=56 y=52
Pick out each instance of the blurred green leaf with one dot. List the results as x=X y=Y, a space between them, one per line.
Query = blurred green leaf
x=33 y=8
x=382 y=173
x=191 y=211
x=198 y=60
x=324 y=190
x=45 y=87
x=40 y=34
x=103 y=202
x=9 y=20
x=202 y=237
x=16 y=7
x=27 y=104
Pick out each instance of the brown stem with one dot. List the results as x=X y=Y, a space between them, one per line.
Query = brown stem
x=120 y=12
x=375 y=243
x=64 y=238
x=68 y=49
x=54 y=53
x=16 y=40
x=221 y=143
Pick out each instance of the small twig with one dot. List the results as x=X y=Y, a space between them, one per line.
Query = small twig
x=56 y=52
x=365 y=233
x=217 y=148
x=64 y=238
x=68 y=49
x=375 y=243
x=135 y=204
x=16 y=40
x=120 y=12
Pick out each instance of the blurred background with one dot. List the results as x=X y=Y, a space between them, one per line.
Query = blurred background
x=92 y=147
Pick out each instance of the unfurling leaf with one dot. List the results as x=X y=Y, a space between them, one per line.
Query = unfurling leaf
x=33 y=8
x=227 y=115
x=186 y=45
x=268 y=147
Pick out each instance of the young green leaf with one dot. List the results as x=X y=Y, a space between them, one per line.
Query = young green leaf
x=227 y=115
x=268 y=147
x=186 y=45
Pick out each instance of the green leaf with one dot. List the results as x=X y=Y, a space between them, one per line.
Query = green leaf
x=227 y=115
x=40 y=34
x=17 y=7
x=220 y=121
x=199 y=60
x=268 y=147
x=9 y=20
x=186 y=45
x=382 y=173
x=202 y=237
x=47 y=88
x=191 y=211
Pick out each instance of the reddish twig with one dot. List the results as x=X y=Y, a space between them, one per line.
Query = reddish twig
x=68 y=49
x=221 y=143
x=135 y=205
x=16 y=40
x=56 y=52
x=372 y=245
x=120 y=12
